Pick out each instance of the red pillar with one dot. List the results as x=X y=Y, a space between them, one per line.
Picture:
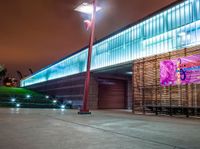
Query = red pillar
x=85 y=109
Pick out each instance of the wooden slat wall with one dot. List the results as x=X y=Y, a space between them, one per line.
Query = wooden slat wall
x=146 y=83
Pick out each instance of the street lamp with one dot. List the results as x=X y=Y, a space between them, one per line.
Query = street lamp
x=88 y=9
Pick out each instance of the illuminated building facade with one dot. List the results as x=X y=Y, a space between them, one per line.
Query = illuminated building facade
x=169 y=30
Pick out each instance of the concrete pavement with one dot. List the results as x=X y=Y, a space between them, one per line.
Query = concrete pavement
x=56 y=129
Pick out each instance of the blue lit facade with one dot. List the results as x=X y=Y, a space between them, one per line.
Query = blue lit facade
x=172 y=29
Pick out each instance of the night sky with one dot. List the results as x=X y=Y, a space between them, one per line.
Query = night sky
x=36 y=33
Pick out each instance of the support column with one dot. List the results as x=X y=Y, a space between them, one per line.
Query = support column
x=93 y=93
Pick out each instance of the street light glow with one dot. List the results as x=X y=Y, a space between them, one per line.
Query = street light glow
x=86 y=8
x=13 y=99
x=18 y=105
x=62 y=106
x=28 y=96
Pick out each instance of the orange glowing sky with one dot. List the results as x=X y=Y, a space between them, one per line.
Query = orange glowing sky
x=35 y=33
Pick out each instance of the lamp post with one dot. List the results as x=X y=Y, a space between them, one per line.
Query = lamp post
x=88 y=9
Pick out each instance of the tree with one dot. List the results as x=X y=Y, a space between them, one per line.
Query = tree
x=3 y=72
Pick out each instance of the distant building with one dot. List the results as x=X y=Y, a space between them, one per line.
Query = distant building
x=144 y=66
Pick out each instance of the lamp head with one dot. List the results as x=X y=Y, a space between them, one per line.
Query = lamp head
x=86 y=8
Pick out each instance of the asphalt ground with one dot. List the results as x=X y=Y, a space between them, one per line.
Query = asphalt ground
x=103 y=129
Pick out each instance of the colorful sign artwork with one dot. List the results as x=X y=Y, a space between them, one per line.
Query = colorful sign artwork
x=180 y=71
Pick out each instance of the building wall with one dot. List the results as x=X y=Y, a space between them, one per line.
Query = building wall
x=148 y=91
x=71 y=88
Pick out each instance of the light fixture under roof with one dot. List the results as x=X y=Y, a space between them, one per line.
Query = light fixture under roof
x=129 y=73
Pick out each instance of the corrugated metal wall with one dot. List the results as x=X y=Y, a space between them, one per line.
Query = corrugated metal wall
x=112 y=94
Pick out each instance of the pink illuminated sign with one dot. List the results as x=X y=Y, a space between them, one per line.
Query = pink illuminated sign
x=180 y=71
